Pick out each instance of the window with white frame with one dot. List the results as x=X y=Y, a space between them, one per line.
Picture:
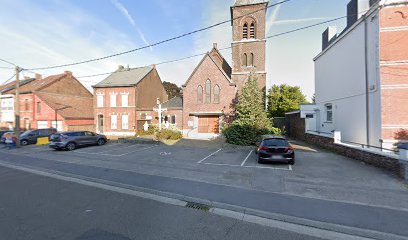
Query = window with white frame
x=114 y=122
x=113 y=100
x=125 y=122
x=329 y=113
x=99 y=101
x=125 y=100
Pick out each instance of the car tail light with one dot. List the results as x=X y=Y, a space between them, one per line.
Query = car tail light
x=289 y=150
x=263 y=148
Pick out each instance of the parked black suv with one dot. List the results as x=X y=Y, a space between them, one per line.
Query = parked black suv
x=72 y=140
x=30 y=137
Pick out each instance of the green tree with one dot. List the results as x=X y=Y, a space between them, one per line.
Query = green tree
x=283 y=99
x=251 y=118
x=172 y=90
x=250 y=109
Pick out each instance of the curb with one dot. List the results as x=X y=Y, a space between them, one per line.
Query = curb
x=308 y=227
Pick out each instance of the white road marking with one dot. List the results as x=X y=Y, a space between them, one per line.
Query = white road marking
x=243 y=163
x=110 y=149
x=139 y=150
x=118 y=155
x=202 y=160
x=231 y=165
x=290 y=167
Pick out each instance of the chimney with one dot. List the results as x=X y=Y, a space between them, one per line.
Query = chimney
x=356 y=9
x=329 y=36
x=68 y=73
x=153 y=66
x=215 y=45
x=120 y=67
x=38 y=76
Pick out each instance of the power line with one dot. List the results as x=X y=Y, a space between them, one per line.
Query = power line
x=160 y=42
x=9 y=79
x=201 y=54
x=6 y=68
x=7 y=62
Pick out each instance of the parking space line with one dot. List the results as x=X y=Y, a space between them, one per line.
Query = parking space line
x=139 y=150
x=290 y=167
x=243 y=163
x=109 y=149
x=260 y=167
x=202 y=160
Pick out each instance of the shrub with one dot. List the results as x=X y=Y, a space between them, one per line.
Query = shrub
x=245 y=134
x=151 y=131
x=167 y=134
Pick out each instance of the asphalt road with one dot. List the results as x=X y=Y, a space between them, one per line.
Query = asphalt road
x=34 y=207
x=341 y=213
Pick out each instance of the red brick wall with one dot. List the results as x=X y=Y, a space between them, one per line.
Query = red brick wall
x=46 y=114
x=107 y=110
x=257 y=47
x=394 y=76
x=207 y=70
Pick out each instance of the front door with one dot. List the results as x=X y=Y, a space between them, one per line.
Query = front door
x=208 y=124
x=100 y=123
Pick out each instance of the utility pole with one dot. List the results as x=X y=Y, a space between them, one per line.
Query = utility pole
x=17 y=108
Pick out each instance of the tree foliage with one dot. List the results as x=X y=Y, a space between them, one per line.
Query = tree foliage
x=283 y=99
x=251 y=118
x=250 y=109
x=172 y=90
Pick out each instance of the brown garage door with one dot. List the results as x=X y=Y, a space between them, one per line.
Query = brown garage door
x=208 y=124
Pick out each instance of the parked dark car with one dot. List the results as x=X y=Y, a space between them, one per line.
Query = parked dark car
x=72 y=140
x=275 y=149
x=30 y=137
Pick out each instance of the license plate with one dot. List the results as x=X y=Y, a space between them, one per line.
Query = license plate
x=276 y=157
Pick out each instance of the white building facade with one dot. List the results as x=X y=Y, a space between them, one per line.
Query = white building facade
x=354 y=92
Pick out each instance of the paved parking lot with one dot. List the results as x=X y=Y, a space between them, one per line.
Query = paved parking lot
x=316 y=174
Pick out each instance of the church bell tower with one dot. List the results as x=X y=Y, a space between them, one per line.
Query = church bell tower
x=248 y=19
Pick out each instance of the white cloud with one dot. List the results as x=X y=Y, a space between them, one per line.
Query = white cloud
x=272 y=18
x=63 y=36
x=129 y=17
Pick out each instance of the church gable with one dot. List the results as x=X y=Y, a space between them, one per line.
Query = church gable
x=212 y=64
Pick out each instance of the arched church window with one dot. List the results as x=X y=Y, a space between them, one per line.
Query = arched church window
x=208 y=91
x=245 y=31
x=251 y=59
x=199 y=94
x=216 y=94
x=252 y=30
x=245 y=60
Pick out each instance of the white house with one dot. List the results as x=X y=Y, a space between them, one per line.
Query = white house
x=361 y=76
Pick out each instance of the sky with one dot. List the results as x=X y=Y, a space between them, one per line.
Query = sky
x=56 y=32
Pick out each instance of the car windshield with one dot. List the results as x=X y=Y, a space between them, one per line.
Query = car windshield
x=279 y=142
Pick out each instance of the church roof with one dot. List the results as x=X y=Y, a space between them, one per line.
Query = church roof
x=248 y=2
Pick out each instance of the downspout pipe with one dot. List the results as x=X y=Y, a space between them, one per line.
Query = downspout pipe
x=366 y=80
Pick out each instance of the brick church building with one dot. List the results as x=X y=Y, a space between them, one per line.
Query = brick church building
x=210 y=91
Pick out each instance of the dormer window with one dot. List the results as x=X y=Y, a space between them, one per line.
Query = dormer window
x=245 y=31
x=252 y=31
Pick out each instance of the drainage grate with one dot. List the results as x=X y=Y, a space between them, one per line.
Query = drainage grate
x=198 y=206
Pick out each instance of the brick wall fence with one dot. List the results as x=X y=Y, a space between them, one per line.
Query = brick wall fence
x=295 y=128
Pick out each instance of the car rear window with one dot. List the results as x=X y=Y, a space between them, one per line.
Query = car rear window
x=275 y=142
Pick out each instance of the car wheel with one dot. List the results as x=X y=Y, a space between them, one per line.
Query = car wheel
x=101 y=142
x=292 y=162
x=23 y=142
x=71 y=146
x=260 y=161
